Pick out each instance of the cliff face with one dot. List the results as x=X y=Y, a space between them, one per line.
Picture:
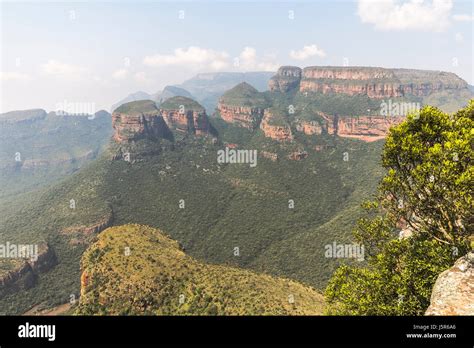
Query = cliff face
x=142 y=119
x=136 y=120
x=24 y=275
x=242 y=116
x=453 y=292
x=366 y=128
x=279 y=132
x=372 y=82
x=243 y=106
x=286 y=79
x=309 y=127
x=191 y=121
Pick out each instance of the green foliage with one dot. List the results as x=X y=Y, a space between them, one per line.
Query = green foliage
x=244 y=95
x=429 y=184
x=401 y=272
x=175 y=103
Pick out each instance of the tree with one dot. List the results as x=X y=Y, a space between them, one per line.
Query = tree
x=428 y=191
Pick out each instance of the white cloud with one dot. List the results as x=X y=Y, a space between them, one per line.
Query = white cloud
x=192 y=57
x=65 y=70
x=248 y=60
x=141 y=77
x=463 y=18
x=408 y=15
x=120 y=74
x=459 y=38
x=306 y=52
x=13 y=76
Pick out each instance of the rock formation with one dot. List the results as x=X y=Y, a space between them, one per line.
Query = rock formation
x=279 y=131
x=453 y=292
x=143 y=120
x=136 y=120
x=185 y=115
x=287 y=78
x=243 y=106
x=24 y=274
x=309 y=127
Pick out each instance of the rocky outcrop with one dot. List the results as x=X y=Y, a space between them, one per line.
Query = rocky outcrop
x=287 y=78
x=309 y=127
x=137 y=120
x=372 y=90
x=24 y=274
x=143 y=120
x=242 y=116
x=191 y=121
x=243 y=106
x=453 y=292
x=95 y=228
x=275 y=130
x=367 y=128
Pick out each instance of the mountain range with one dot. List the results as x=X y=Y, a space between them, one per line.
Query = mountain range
x=158 y=193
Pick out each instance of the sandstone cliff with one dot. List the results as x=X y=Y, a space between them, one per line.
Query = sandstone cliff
x=143 y=120
x=185 y=115
x=287 y=78
x=275 y=128
x=243 y=106
x=372 y=82
x=453 y=292
x=136 y=120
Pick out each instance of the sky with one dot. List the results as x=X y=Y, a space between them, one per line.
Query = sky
x=96 y=53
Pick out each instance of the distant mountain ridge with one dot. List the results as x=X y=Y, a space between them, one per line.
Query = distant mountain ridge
x=205 y=88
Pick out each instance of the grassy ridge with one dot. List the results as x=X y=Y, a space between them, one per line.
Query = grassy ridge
x=155 y=276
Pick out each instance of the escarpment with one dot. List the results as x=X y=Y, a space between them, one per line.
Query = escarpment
x=372 y=82
x=341 y=101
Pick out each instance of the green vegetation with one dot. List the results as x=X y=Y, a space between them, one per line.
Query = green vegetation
x=175 y=103
x=137 y=107
x=136 y=270
x=244 y=95
x=428 y=188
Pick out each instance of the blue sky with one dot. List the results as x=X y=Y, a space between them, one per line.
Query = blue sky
x=100 y=52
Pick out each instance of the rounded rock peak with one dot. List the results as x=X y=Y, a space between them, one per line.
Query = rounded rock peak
x=178 y=102
x=243 y=94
